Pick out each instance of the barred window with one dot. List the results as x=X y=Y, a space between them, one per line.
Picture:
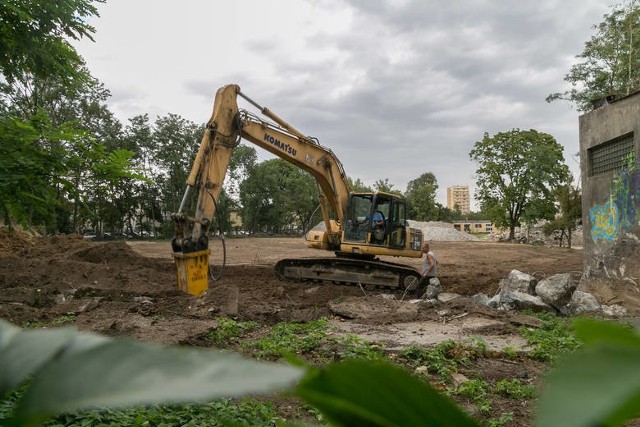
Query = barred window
x=611 y=155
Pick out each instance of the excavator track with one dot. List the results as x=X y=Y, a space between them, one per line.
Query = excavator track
x=371 y=274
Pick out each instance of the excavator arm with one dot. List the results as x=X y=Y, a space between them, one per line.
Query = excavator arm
x=227 y=126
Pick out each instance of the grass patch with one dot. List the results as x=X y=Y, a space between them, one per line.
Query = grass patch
x=515 y=389
x=553 y=338
x=61 y=320
x=291 y=339
x=503 y=419
x=444 y=358
x=229 y=331
x=224 y=412
x=476 y=391
x=313 y=341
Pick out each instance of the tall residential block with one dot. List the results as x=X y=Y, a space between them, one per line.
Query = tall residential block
x=458 y=195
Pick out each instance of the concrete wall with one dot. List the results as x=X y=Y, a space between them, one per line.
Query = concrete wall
x=611 y=203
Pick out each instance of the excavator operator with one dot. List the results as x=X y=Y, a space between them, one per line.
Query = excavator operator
x=378 y=230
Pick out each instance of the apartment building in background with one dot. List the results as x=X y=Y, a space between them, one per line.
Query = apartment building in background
x=458 y=195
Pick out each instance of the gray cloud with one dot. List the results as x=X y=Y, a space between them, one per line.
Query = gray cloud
x=395 y=88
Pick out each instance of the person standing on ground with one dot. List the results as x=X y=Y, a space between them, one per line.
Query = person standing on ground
x=429 y=262
x=429 y=280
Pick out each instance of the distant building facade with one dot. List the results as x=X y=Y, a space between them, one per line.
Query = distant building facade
x=458 y=195
x=473 y=226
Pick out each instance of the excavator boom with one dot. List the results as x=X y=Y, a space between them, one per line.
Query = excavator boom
x=352 y=225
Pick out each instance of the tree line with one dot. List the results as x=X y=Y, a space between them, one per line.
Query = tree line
x=67 y=164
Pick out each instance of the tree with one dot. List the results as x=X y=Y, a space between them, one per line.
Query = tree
x=25 y=187
x=609 y=60
x=445 y=214
x=421 y=197
x=385 y=186
x=277 y=196
x=33 y=37
x=144 y=196
x=62 y=145
x=570 y=207
x=517 y=174
x=358 y=186
x=242 y=160
x=36 y=163
x=175 y=144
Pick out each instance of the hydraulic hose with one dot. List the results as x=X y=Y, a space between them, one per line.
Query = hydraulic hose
x=224 y=247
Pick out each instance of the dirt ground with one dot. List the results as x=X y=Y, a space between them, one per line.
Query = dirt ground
x=129 y=289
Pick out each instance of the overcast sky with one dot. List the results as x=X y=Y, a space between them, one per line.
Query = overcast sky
x=394 y=88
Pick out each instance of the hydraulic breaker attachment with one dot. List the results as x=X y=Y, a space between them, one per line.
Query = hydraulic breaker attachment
x=193 y=271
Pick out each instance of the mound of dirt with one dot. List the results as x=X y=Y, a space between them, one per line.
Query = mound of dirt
x=114 y=253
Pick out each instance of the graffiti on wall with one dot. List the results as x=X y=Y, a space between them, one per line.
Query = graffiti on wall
x=605 y=221
x=622 y=211
x=625 y=191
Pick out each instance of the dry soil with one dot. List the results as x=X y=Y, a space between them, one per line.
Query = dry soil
x=129 y=289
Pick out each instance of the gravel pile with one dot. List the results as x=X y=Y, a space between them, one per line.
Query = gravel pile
x=432 y=231
x=441 y=232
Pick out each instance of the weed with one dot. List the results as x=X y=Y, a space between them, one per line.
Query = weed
x=229 y=330
x=515 y=389
x=442 y=359
x=249 y=411
x=313 y=340
x=8 y=403
x=476 y=391
x=61 y=320
x=510 y=352
x=550 y=340
x=33 y=325
x=353 y=347
x=477 y=346
x=502 y=420
x=64 y=319
x=292 y=338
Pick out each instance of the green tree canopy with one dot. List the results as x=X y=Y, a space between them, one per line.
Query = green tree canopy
x=517 y=175
x=421 y=197
x=385 y=186
x=175 y=144
x=609 y=61
x=243 y=159
x=358 y=186
x=61 y=147
x=33 y=37
x=570 y=207
x=277 y=196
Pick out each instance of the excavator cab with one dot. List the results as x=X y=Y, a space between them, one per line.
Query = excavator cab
x=376 y=219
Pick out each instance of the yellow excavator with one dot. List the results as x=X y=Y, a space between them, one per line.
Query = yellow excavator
x=358 y=227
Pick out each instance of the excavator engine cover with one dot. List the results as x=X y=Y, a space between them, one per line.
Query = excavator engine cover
x=193 y=271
